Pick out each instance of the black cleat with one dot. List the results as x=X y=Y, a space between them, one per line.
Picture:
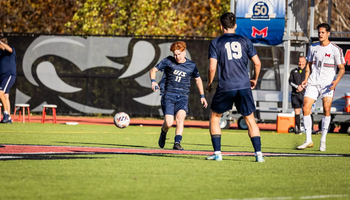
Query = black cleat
x=177 y=146
x=297 y=131
x=161 y=141
x=1 y=146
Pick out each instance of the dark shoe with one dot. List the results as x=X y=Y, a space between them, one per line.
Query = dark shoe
x=1 y=146
x=6 y=119
x=177 y=146
x=298 y=133
x=161 y=141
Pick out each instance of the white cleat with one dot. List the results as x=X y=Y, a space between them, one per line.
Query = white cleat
x=305 y=145
x=259 y=157
x=323 y=146
x=217 y=157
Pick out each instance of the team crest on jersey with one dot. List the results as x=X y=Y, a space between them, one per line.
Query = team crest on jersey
x=327 y=55
x=179 y=73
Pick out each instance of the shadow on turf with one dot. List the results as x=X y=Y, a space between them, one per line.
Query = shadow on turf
x=194 y=157
x=208 y=145
x=112 y=145
x=43 y=157
x=139 y=146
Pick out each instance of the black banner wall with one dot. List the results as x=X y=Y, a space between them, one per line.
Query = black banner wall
x=98 y=75
x=105 y=75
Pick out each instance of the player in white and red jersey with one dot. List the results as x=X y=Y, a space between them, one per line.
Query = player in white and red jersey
x=324 y=57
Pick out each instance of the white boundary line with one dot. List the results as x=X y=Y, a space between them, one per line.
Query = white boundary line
x=283 y=198
x=324 y=196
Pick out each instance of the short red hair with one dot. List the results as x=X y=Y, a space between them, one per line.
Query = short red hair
x=179 y=45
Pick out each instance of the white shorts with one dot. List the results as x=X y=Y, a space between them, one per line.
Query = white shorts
x=318 y=91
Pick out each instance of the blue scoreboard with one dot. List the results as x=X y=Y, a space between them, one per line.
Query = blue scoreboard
x=262 y=21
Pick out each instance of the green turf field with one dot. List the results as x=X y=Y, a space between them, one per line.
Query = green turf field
x=166 y=176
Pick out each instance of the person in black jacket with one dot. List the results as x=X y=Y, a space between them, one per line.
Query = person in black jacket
x=297 y=76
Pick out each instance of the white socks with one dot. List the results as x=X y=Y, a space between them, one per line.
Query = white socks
x=308 y=127
x=326 y=120
x=217 y=152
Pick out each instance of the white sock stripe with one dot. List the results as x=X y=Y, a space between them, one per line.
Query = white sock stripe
x=8 y=81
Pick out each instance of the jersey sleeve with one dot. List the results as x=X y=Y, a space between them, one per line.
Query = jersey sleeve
x=338 y=57
x=162 y=64
x=291 y=80
x=309 y=55
x=212 y=50
x=195 y=73
x=251 y=49
x=290 y=77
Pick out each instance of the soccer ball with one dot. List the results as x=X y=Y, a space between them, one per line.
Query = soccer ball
x=121 y=120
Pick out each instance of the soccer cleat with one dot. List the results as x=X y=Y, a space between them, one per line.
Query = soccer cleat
x=259 y=157
x=177 y=146
x=217 y=157
x=161 y=141
x=6 y=119
x=305 y=145
x=323 y=146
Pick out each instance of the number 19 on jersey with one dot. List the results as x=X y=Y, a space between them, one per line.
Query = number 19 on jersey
x=233 y=50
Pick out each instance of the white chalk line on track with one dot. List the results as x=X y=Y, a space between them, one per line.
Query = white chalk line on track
x=303 y=197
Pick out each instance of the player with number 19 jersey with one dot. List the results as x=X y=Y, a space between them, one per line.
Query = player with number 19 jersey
x=177 y=76
x=232 y=52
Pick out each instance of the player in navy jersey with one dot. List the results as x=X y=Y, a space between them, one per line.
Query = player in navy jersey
x=175 y=88
x=7 y=76
x=229 y=54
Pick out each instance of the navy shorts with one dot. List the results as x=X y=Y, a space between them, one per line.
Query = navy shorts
x=243 y=100
x=172 y=103
x=6 y=82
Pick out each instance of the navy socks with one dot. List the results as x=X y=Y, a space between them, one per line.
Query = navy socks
x=216 y=141
x=256 y=141
x=178 y=138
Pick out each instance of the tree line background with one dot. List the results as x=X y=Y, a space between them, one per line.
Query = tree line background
x=136 y=17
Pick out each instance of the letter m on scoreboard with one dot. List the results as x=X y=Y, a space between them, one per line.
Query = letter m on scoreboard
x=262 y=21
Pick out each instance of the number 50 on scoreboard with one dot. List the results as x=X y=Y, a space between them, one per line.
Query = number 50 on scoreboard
x=262 y=21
